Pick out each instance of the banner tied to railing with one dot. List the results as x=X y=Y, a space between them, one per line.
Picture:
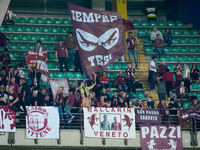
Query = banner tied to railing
x=186 y=114
x=42 y=122
x=109 y=122
x=7 y=119
x=150 y=116
x=161 y=137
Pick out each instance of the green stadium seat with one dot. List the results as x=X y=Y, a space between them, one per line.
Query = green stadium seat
x=12 y=55
x=16 y=37
x=144 y=23
x=69 y=75
x=193 y=86
x=164 y=58
x=2 y=28
x=51 y=56
x=24 y=37
x=153 y=23
x=140 y=95
x=174 y=49
x=198 y=86
x=39 y=21
x=51 y=38
x=113 y=75
x=65 y=21
x=190 y=58
x=54 y=65
x=167 y=49
x=23 y=46
x=11 y=28
x=189 y=66
x=185 y=32
x=54 y=30
x=31 y=46
x=147 y=40
x=8 y=36
x=135 y=23
x=170 y=67
x=60 y=37
x=124 y=66
x=175 y=41
x=148 y=49
x=181 y=58
x=42 y=38
x=172 y=58
x=192 y=49
x=78 y=75
x=50 y=47
x=116 y=66
x=14 y=46
x=19 y=29
x=111 y=94
x=47 y=85
x=194 y=32
x=198 y=95
x=110 y=67
x=71 y=66
x=33 y=37
x=19 y=55
x=176 y=32
x=63 y=30
x=161 y=23
x=148 y=31
x=161 y=31
x=170 y=23
x=37 y=29
x=22 y=20
x=70 y=22
x=57 y=21
x=70 y=29
x=45 y=29
x=52 y=74
x=183 y=49
x=31 y=20
x=28 y=29
x=186 y=105
x=48 y=21
x=141 y=32
x=191 y=94
x=178 y=23
x=197 y=59
x=192 y=41
x=183 y=41
x=59 y=75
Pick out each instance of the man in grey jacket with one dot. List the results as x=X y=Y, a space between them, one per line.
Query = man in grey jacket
x=161 y=90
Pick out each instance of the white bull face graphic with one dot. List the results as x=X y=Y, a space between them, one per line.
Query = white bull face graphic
x=89 y=42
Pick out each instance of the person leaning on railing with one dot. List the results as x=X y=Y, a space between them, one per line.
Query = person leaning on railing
x=194 y=104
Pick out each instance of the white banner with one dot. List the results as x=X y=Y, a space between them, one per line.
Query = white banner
x=109 y=122
x=42 y=123
x=7 y=119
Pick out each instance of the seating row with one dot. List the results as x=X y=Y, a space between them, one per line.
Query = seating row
x=159 y=23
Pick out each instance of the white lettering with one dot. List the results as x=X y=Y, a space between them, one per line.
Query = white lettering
x=106 y=60
x=113 y=18
x=105 y=18
x=88 y=18
x=145 y=131
x=154 y=132
x=178 y=132
x=91 y=59
x=99 y=60
x=173 y=129
x=164 y=129
x=78 y=16
x=97 y=16
x=73 y=15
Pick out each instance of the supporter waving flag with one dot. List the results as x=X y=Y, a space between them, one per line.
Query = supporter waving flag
x=100 y=37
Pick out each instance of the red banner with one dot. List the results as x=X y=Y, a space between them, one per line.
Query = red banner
x=100 y=37
x=161 y=137
x=32 y=57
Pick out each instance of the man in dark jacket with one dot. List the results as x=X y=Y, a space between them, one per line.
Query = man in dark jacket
x=5 y=59
x=182 y=92
x=173 y=106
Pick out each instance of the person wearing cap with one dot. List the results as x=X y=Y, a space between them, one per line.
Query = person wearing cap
x=121 y=103
x=132 y=45
x=195 y=73
x=130 y=77
x=195 y=105
x=173 y=107
x=5 y=59
x=25 y=91
x=186 y=76
x=152 y=72
x=178 y=74
x=181 y=92
x=61 y=55
x=71 y=46
x=69 y=104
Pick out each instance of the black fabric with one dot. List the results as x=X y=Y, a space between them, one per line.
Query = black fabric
x=63 y=61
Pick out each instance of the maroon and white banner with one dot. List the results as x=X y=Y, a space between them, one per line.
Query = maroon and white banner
x=109 y=122
x=100 y=37
x=32 y=58
x=42 y=122
x=7 y=119
x=161 y=137
x=56 y=84
x=41 y=66
x=150 y=116
x=186 y=114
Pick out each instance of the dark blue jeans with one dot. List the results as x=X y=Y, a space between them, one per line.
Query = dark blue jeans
x=160 y=51
x=152 y=80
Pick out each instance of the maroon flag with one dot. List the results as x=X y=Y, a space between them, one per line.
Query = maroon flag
x=41 y=66
x=128 y=25
x=184 y=115
x=100 y=37
x=3 y=40
x=159 y=137
x=32 y=58
x=150 y=116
